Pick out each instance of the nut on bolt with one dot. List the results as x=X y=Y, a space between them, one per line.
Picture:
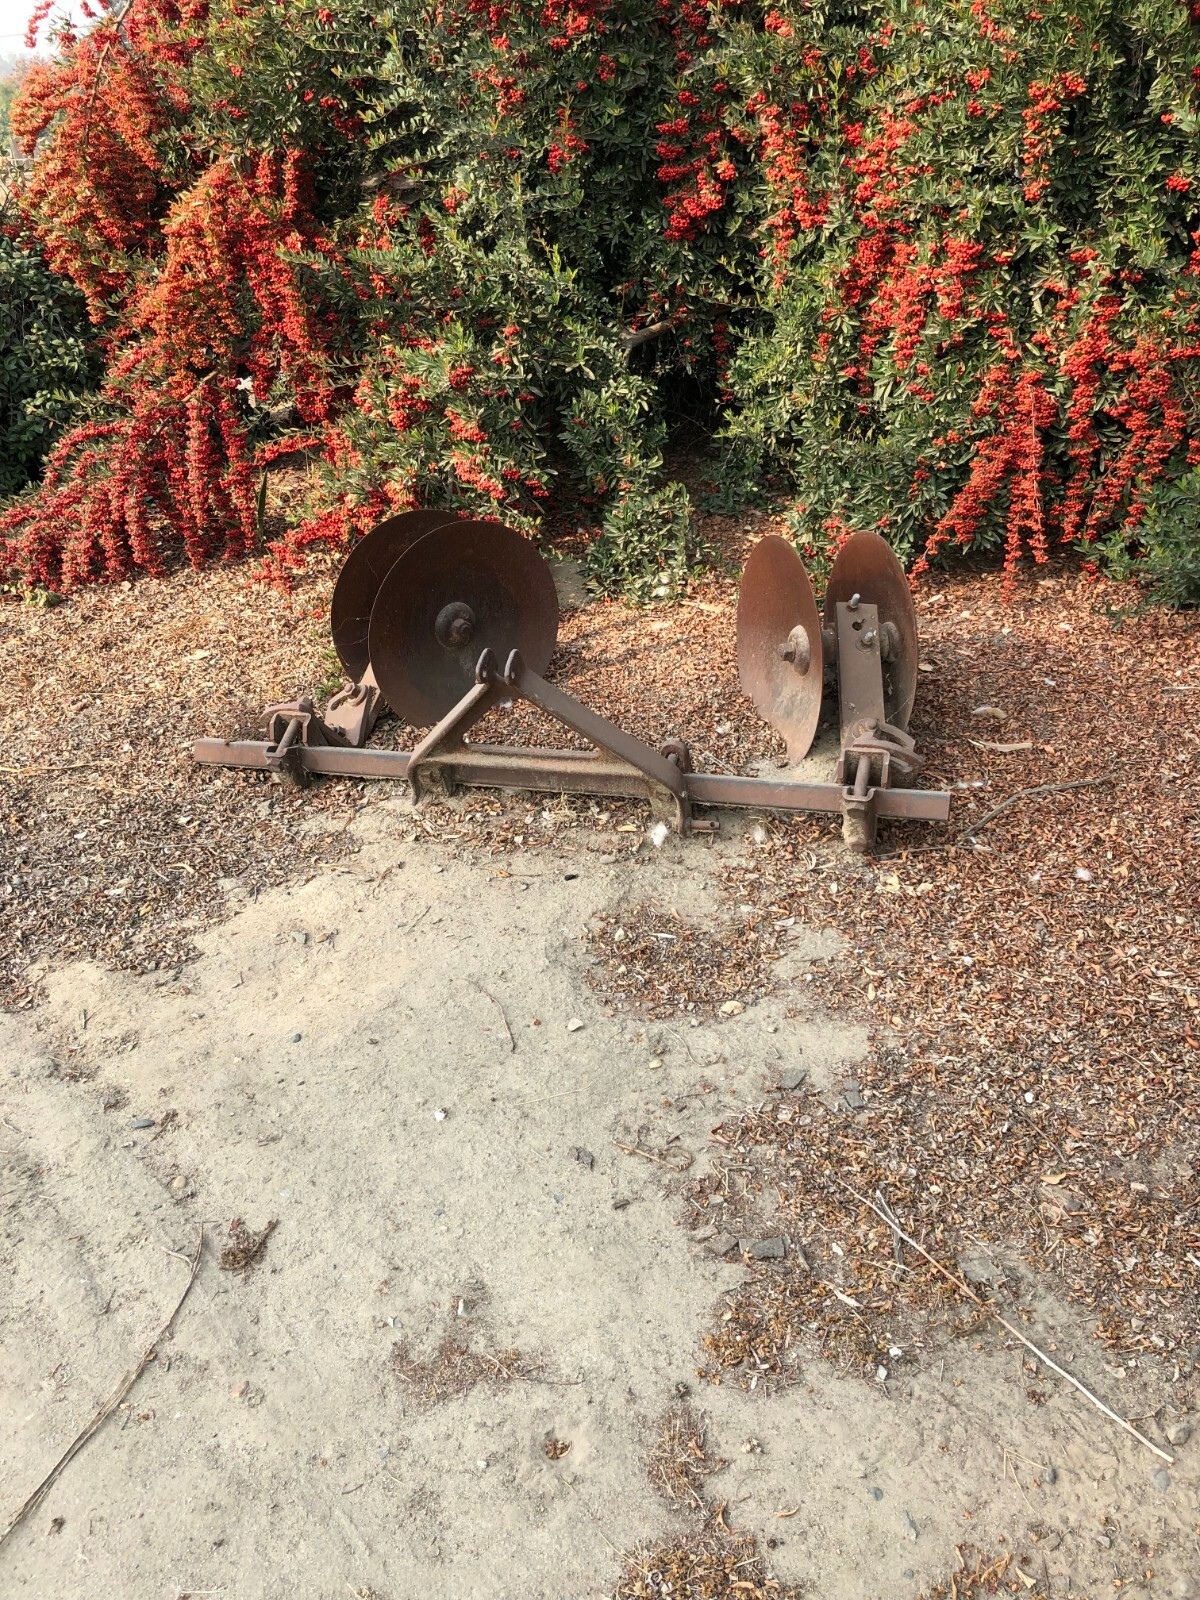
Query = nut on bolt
x=797 y=648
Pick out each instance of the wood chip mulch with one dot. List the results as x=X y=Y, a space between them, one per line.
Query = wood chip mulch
x=454 y=1370
x=1033 y=997
x=680 y=1461
x=713 y=1565
x=981 y=1573
x=653 y=960
x=246 y=1246
x=113 y=845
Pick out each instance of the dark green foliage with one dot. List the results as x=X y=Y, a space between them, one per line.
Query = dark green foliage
x=45 y=363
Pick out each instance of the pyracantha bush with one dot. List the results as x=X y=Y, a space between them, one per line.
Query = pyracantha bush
x=930 y=267
x=979 y=319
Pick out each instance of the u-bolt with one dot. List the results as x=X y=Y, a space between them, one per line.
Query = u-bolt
x=289 y=737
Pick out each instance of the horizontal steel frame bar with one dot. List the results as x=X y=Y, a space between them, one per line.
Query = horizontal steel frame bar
x=577 y=772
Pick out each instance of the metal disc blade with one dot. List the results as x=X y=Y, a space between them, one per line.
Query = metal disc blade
x=467 y=587
x=363 y=570
x=777 y=613
x=867 y=565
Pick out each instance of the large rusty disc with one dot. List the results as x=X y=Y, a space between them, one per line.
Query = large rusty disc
x=867 y=565
x=465 y=588
x=779 y=643
x=363 y=570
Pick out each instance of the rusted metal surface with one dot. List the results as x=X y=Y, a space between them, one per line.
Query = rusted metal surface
x=467 y=587
x=779 y=643
x=354 y=710
x=363 y=571
x=866 y=565
x=860 y=669
x=663 y=774
x=468 y=596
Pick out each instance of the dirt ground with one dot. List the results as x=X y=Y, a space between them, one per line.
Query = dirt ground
x=536 y=1228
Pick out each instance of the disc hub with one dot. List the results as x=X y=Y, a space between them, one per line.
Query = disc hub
x=454 y=627
x=797 y=649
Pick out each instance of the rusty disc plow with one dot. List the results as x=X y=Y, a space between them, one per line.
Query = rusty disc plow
x=443 y=618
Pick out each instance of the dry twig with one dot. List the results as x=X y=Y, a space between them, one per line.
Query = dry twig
x=111 y=1404
x=512 y=1043
x=1029 y=794
x=965 y=1288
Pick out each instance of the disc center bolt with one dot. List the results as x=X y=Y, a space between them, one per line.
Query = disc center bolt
x=797 y=649
x=455 y=625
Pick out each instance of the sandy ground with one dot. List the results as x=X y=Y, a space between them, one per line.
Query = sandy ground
x=379 y=1058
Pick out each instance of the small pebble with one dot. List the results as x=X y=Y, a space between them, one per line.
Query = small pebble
x=584 y=1157
x=1162 y=1479
x=142 y=1122
x=295 y=1038
x=574 y=1025
x=910 y=1529
x=793 y=1079
x=773 y=1249
x=876 y=1494
x=179 y=1184
x=1179 y=1432
x=655 y=1063
x=1051 y=1474
x=439 y=1115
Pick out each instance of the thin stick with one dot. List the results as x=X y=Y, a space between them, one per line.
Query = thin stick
x=965 y=1288
x=42 y=772
x=512 y=1043
x=894 y=1224
x=113 y=1401
x=649 y=1155
x=1028 y=794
